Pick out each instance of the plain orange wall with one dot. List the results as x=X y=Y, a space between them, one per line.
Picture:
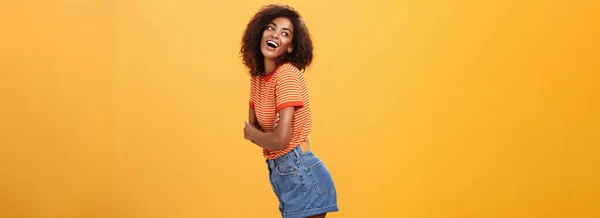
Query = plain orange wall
x=420 y=109
x=56 y=146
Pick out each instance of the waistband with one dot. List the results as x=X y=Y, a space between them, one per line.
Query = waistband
x=295 y=153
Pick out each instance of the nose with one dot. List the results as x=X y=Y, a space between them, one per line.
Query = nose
x=275 y=34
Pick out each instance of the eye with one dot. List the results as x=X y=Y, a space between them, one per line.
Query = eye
x=286 y=34
x=270 y=28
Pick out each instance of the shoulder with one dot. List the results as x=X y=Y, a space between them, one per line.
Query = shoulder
x=287 y=71
x=254 y=81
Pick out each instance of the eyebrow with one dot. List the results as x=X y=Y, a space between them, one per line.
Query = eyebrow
x=282 y=28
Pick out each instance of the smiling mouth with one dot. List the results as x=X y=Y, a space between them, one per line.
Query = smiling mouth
x=272 y=44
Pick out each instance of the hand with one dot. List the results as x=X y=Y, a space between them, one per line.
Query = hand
x=247 y=129
x=276 y=121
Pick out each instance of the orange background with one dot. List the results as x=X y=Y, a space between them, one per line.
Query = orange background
x=420 y=108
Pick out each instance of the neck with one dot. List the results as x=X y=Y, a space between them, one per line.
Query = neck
x=270 y=66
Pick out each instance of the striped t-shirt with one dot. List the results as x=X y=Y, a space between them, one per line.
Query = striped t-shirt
x=285 y=87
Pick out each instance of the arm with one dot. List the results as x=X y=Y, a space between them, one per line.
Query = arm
x=277 y=139
x=252 y=118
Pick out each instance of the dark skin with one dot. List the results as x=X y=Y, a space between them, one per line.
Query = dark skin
x=276 y=139
x=280 y=31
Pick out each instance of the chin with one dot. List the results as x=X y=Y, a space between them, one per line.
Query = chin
x=269 y=55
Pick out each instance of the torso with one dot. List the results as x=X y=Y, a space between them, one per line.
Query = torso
x=283 y=88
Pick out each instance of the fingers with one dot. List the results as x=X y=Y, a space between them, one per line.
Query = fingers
x=246 y=128
x=276 y=121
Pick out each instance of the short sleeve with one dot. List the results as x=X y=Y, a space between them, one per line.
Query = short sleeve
x=251 y=97
x=289 y=89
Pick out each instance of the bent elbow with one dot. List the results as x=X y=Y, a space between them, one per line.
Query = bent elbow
x=282 y=143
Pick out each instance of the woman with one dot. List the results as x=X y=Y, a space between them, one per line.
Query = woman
x=276 y=47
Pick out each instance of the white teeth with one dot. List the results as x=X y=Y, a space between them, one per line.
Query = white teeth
x=273 y=44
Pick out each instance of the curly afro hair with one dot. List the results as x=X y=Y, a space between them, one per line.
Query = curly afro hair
x=300 y=57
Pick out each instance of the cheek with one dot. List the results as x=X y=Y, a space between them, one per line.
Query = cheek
x=287 y=44
x=264 y=36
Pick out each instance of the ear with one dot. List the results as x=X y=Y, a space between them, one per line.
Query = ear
x=290 y=49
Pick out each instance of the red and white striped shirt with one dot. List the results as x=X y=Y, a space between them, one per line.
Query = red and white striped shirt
x=285 y=87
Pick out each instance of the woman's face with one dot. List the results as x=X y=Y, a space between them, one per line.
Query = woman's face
x=277 y=38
